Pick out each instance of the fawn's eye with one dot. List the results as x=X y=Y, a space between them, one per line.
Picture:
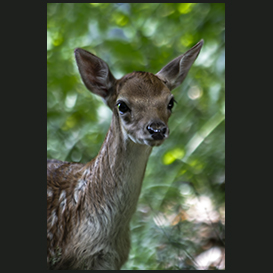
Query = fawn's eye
x=171 y=103
x=122 y=107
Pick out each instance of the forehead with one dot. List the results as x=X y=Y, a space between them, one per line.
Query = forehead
x=142 y=85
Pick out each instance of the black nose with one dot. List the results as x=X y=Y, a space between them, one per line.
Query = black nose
x=157 y=130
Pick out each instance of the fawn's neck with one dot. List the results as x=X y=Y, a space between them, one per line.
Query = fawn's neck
x=117 y=172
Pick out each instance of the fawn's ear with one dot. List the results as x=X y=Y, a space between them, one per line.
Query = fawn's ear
x=176 y=71
x=95 y=73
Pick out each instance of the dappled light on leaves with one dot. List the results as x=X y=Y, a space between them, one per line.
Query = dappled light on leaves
x=172 y=155
x=180 y=218
x=185 y=8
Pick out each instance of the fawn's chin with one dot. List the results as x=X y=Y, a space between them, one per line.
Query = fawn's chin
x=152 y=142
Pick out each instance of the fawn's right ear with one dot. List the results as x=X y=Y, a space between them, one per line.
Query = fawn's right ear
x=95 y=74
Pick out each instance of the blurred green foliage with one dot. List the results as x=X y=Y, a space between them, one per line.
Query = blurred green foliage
x=180 y=220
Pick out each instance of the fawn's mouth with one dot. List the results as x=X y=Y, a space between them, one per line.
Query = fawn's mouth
x=149 y=141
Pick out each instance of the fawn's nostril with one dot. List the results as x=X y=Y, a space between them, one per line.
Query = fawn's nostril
x=157 y=130
x=150 y=129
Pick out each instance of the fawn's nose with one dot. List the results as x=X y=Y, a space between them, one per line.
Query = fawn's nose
x=157 y=130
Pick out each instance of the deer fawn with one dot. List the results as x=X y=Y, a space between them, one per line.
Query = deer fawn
x=89 y=206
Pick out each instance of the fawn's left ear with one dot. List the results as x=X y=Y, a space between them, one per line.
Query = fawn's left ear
x=176 y=71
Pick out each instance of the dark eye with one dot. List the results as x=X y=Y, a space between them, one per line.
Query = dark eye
x=171 y=103
x=122 y=107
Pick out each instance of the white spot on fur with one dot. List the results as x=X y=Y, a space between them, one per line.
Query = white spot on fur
x=63 y=200
x=86 y=172
x=50 y=235
x=54 y=218
x=79 y=189
x=76 y=199
x=62 y=195
x=49 y=192
x=97 y=161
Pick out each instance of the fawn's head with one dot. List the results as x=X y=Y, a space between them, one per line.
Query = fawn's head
x=142 y=101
